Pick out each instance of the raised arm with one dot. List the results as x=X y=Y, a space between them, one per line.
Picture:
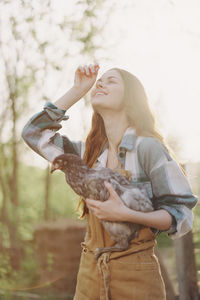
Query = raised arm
x=40 y=132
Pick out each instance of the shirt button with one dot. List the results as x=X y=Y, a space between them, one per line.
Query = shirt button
x=134 y=179
x=122 y=154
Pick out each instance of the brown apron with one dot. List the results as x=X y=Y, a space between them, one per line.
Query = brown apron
x=133 y=274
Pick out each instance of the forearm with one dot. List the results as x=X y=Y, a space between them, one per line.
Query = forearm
x=68 y=99
x=159 y=219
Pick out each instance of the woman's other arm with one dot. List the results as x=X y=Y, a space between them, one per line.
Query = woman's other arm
x=159 y=219
x=171 y=188
x=114 y=210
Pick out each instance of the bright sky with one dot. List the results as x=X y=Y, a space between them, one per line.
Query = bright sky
x=159 y=42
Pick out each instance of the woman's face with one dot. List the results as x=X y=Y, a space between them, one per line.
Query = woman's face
x=111 y=91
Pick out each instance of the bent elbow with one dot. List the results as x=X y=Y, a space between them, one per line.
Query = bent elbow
x=169 y=221
x=25 y=134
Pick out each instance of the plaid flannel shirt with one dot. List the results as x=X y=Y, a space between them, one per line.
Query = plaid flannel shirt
x=147 y=158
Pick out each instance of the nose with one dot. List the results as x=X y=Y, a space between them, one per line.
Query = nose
x=99 y=84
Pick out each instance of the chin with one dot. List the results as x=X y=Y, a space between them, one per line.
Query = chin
x=98 y=106
x=96 y=102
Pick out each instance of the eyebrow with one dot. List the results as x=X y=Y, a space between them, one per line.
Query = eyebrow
x=107 y=78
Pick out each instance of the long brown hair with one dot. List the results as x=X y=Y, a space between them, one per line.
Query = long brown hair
x=140 y=116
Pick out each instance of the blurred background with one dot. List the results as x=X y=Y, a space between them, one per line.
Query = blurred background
x=41 y=45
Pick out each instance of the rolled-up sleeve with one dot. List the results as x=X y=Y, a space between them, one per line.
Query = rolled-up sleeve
x=170 y=186
x=41 y=134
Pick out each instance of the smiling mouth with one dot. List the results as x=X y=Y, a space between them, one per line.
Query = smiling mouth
x=99 y=94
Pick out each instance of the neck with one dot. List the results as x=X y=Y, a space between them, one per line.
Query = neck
x=115 y=126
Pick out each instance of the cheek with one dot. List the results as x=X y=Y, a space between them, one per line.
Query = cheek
x=117 y=97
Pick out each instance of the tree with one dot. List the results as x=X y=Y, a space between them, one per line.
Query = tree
x=32 y=37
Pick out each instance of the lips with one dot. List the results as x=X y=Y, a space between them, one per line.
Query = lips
x=99 y=92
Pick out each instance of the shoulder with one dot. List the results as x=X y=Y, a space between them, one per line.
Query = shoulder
x=152 y=152
x=150 y=144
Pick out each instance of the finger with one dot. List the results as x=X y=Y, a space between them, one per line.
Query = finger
x=86 y=70
x=108 y=185
x=94 y=211
x=110 y=189
x=80 y=69
x=96 y=66
x=91 y=67
x=93 y=203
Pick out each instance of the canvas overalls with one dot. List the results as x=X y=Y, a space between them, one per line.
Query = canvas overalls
x=133 y=274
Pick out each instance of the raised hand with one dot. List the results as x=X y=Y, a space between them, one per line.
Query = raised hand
x=85 y=77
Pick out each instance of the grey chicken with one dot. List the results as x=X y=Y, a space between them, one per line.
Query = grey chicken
x=89 y=183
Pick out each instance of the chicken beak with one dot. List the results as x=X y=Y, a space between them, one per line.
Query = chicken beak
x=54 y=167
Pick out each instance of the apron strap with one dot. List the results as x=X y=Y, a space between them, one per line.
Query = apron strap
x=104 y=271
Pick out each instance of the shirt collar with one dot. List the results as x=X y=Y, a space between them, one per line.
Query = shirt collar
x=127 y=143
x=128 y=139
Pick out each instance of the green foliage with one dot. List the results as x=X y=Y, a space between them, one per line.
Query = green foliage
x=29 y=267
x=7 y=274
x=63 y=200
x=86 y=29
x=164 y=240
x=196 y=225
x=10 y=279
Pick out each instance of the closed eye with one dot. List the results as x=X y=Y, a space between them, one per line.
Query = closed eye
x=108 y=79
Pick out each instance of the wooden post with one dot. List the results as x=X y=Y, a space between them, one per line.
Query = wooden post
x=186 y=267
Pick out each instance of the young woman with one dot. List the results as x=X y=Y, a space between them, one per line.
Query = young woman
x=123 y=137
